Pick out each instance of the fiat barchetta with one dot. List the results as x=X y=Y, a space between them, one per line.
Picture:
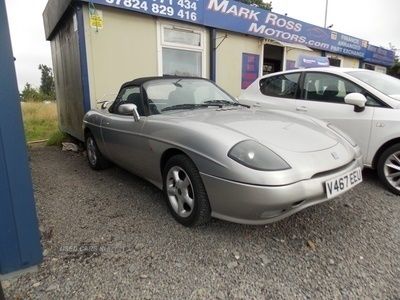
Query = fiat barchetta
x=214 y=157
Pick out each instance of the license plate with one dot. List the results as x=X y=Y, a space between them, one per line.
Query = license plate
x=343 y=183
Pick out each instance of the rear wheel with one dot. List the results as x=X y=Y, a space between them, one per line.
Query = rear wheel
x=388 y=168
x=185 y=193
x=96 y=160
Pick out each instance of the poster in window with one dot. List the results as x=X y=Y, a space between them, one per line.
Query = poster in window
x=250 y=68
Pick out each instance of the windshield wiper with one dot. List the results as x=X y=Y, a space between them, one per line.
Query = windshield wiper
x=226 y=102
x=177 y=84
x=190 y=106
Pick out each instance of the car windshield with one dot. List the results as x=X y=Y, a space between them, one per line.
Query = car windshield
x=184 y=93
x=384 y=83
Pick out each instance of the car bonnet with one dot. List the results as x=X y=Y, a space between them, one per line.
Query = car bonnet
x=272 y=128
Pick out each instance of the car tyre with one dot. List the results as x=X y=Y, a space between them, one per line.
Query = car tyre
x=95 y=159
x=185 y=193
x=388 y=168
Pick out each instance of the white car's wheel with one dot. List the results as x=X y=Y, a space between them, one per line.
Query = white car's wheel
x=388 y=168
x=185 y=193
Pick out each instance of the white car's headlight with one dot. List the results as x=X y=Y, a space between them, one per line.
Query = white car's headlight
x=256 y=156
x=342 y=134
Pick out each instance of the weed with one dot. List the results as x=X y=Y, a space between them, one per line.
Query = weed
x=57 y=138
x=40 y=120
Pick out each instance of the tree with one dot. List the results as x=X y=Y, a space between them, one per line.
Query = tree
x=29 y=93
x=47 y=81
x=395 y=69
x=259 y=3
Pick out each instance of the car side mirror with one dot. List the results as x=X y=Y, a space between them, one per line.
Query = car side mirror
x=129 y=109
x=105 y=104
x=356 y=99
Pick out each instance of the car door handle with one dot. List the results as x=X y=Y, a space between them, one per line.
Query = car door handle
x=257 y=105
x=301 y=108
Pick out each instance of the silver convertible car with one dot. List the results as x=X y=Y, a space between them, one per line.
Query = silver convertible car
x=214 y=157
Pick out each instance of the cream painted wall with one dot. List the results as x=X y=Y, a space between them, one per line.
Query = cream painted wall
x=381 y=69
x=294 y=53
x=125 y=49
x=350 y=62
x=229 y=59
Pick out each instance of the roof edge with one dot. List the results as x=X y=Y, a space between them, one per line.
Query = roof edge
x=53 y=14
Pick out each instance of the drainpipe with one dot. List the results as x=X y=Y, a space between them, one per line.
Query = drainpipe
x=213 y=54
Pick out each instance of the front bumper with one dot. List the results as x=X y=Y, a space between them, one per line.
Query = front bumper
x=257 y=205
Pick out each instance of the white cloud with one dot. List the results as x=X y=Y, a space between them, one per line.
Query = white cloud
x=375 y=21
x=30 y=47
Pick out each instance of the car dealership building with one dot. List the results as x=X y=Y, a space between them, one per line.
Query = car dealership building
x=97 y=45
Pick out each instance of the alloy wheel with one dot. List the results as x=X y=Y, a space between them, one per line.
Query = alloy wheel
x=392 y=170
x=91 y=151
x=180 y=191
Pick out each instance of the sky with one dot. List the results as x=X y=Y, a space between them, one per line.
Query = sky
x=372 y=20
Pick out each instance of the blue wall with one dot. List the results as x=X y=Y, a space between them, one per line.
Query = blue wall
x=19 y=235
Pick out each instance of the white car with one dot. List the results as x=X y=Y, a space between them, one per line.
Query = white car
x=362 y=103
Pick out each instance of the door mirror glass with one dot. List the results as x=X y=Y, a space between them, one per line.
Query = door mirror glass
x=129 y=109
x=356 y=99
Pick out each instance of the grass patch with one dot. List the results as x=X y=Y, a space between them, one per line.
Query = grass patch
x=40 y=120
x=57 y=138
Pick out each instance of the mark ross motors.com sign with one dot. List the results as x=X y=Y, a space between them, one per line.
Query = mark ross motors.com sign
x=242 y=18
x=238 y=17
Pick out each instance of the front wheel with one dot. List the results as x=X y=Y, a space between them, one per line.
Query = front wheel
x=185 y=193
x=96 y=160
x=388 y=168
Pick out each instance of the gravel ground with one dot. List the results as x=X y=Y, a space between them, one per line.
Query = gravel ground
x=108 y=235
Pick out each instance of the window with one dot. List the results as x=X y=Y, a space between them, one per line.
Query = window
x=181 y=62
x=181 y=51
x=334 y=62
x=165 y=94
x=369 y=67
x=130 y=94
x=280 y=86
x=330 y=88
x=184 y=37
x=371 y=101
x=386 y=84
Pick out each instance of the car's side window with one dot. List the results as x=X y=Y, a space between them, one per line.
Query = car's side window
x=327 y=88
x=331 y=88
x=284 y=86
x=130 y=94
x=371 y=101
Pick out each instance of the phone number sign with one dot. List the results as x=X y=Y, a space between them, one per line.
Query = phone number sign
x=184 y=10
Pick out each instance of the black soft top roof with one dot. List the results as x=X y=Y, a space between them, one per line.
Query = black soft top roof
x=142 y=80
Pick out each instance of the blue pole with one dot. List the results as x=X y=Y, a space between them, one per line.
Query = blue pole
x=19 y=235
x=213 y=55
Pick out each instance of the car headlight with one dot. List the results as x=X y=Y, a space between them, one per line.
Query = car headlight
x=256 y=156
x=342 y=134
